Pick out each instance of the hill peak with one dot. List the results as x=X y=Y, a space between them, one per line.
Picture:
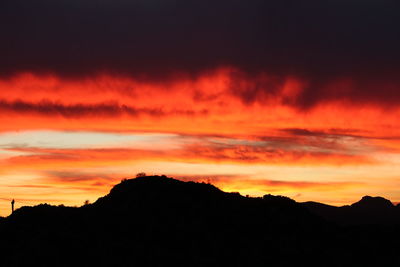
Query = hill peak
x=158 y=183
x=159 y=188
x=373 y=203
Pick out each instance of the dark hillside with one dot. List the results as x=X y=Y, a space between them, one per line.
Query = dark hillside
x=369 y=210
x=160 y=221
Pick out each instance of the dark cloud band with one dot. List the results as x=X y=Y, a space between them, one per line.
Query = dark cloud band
x=321 y=42
x=48 y=108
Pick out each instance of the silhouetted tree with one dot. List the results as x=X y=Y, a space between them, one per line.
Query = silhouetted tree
x=140 y=174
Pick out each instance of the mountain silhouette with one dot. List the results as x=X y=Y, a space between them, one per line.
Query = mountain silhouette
x=369 y=210
x=373 y=203
x=160 y=221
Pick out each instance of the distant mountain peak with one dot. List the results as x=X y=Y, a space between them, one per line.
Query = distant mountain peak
x=373 y=203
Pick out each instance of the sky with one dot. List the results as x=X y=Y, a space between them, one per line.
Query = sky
x=294 y=98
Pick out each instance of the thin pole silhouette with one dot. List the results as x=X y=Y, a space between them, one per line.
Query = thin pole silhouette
x=12 y=205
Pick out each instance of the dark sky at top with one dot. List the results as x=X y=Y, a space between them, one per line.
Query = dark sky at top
x=318 y=41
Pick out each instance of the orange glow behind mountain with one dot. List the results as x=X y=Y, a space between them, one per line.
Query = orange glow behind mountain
x=68 y=140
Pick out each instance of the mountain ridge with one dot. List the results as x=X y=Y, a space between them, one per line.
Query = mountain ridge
x=155 y=186
x=158 y=221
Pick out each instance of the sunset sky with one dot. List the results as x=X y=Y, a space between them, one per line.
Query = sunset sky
x=296 y=98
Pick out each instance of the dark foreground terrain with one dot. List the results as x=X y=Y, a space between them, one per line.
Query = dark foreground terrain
x=159 y=221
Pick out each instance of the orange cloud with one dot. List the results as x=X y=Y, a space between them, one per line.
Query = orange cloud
x=243 y=183
x=217 y=102
x=264 y=153
x=220 y=117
